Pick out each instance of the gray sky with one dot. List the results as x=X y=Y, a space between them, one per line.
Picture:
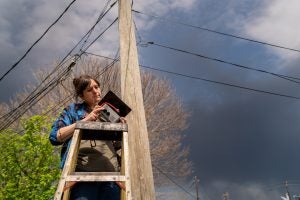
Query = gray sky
x=241 y=141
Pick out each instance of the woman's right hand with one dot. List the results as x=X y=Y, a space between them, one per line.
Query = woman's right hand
x=93 y=116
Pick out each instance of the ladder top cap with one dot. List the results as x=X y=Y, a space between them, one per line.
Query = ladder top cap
x=106 y=126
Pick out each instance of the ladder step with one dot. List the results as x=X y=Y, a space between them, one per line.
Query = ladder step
x=96 y=178
x=89 y=178
x=101 y=130
x=96 y=173
x=105 y=126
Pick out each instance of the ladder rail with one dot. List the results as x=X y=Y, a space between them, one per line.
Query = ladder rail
x=68 y=173
x=68 y=164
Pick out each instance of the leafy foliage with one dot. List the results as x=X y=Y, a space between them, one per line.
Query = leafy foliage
x=28 y=163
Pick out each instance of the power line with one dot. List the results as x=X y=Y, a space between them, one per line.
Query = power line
x=69 y=97
x=17 y=113
x=101 y=16
x=31 y=96
x=14 y=65
x=217 y=32
x=54 y=108
x=222 y=83
x=271 y=186
x=196 y=181
x=29 y=101
x=285 y=77
x=69 y=53
x=137 y=32
x=208 y=80
x=187 y=192
x=87 y=34
x=99 y=35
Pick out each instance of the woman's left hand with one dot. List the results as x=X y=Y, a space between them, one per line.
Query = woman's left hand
x=123 y=120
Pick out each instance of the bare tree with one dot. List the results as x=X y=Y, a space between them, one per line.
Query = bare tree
x=166 y=117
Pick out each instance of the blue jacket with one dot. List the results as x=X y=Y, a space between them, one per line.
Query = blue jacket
x=71 y=114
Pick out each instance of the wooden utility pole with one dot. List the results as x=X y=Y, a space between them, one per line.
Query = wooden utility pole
x=141 y=175
x=287 y=191
x=196 y=181
x=225 y=196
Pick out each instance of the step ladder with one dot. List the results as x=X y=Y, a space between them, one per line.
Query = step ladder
x=95 y=131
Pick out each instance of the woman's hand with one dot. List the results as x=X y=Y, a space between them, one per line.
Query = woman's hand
x=123 y=120
x=93 y=116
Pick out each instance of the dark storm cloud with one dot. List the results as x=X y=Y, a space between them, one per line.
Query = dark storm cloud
x=243 y=142
x=249 y=140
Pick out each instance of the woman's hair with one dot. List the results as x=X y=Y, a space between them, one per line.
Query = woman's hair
x=81 y=83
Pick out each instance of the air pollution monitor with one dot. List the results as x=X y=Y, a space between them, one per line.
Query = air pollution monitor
x=114 y=108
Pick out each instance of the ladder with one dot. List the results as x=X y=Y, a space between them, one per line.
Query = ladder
x=95 y=131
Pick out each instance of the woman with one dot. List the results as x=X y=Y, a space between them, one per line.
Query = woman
x=93 y=155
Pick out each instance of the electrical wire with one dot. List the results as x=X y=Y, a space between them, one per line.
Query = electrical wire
x=217 y=32
x=222 y=83
x=101 y=16
x=285 y=77
x=33 y=94
x=15 y=113
x=18 y=113
x=14 y=65
x=30 y=97
x=208 y=80
x=86 y=35
x=99 y=36
x=187 y=192
x=137 y=33
x=69 y=97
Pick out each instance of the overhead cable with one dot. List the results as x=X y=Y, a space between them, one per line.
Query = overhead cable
x=218 y=32
x=86 y=35
x=41 y=87
x=86 y=48
x=16 y=113
x=14 y=65
x=69 y=97
x=288 y=78
x=222 y=83
x=208 y=80
x=178 y=185
x=102 y=14
x=137 y=32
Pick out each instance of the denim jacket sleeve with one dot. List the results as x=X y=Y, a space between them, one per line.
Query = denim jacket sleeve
x=63 y=120
x=74 y=112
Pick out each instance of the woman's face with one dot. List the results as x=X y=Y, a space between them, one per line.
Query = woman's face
x=92 y=94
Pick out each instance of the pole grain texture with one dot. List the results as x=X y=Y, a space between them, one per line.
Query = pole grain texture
x=141 y=175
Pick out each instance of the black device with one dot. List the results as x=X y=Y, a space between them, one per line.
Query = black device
x=114 y=108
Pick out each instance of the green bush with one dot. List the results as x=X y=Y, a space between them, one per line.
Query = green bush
x=28 y=162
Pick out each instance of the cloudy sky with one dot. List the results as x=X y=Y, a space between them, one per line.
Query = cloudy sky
x=241 y=141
